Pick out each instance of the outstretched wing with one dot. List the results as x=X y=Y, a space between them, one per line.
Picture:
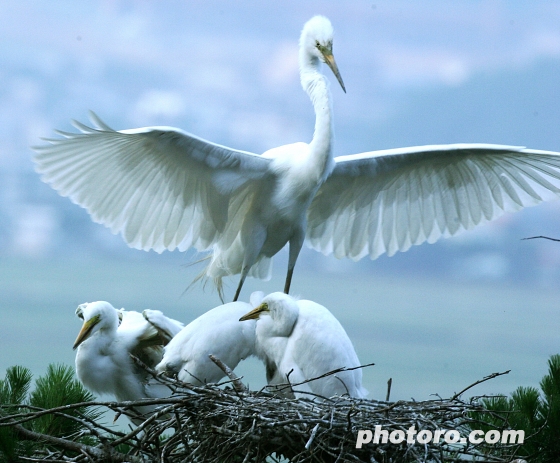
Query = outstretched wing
x=159 y=187
x=387 y=201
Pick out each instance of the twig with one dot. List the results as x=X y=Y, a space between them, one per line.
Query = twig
x=540 y=236
x=389 y=383
x=101 y=454
x=486 y=378
x=330 y=373
x=237 y=383
x=313 y=434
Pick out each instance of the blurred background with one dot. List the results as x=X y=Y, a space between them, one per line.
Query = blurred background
x=435 y=318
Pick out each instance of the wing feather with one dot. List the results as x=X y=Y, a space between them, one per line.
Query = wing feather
x=475 y=198
x=387 y=219
x=386 y=201
x=426 y=208
x=401 y=215
x=159 y=187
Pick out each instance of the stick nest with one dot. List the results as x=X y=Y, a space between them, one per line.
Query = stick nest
x=227 y=423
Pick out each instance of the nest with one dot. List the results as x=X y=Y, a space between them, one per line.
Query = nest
x=227 y=423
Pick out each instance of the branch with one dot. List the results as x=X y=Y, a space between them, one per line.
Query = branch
x=330 y=373
x=105 y=453
x=540 y=236
x=236 y=381
x=486 y=378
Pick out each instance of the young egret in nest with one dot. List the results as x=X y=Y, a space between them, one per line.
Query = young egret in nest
x=217 y=332
x=104 y=344
x=299 y=340
x=162 y=188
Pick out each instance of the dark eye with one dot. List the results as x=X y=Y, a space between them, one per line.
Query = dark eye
x=317 y=44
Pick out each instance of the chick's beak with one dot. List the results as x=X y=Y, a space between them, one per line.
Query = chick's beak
x=255 y=313
x=85 y=331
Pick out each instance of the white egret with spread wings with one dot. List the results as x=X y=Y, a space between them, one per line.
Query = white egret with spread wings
x=165 y=189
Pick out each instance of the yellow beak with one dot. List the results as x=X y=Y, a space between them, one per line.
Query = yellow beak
x=329 y=60
x=255 y=313
x=86 y=330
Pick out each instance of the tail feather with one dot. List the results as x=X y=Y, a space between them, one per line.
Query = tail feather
x=216 y=270
x=203 y=278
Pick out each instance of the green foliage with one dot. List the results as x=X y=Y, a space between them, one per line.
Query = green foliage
x=13 y=391
x=550 y=412
x=536 y=412
x=58 y=387
x=14 y=388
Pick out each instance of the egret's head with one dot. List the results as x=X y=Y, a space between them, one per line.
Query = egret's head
x=275 y=305
x=276 y=315
x=80 y=310
x=96 y=316
x=317 y=32
x=316 y=43
x=256 y=312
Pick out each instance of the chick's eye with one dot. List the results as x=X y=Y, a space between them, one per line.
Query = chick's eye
x=317 y=44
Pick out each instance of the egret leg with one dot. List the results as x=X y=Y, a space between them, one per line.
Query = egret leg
x=252 y=251
x=288 y=280
x=296 y=243
x=241 y=281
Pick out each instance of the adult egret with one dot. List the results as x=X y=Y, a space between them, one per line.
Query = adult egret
x=216 y=332
x=103 y=362
x=299 y=340
x=163 y=188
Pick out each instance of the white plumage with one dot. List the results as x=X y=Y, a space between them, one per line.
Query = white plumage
x=162 y=188
x=216 y=332
x=166 y=327
x=103 y=362
x=299 y=340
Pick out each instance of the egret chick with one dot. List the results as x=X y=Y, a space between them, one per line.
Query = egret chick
x=216 y=332
x=299 y=340
x=162 y=188
x=103 y=362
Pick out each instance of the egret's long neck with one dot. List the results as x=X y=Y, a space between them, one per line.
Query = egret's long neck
x=280 y=323
x=106 y=331
x=317 y=87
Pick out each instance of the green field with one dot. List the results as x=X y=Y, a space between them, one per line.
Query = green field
x=430 y=337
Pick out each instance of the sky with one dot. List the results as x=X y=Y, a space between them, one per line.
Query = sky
x=415 y=72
